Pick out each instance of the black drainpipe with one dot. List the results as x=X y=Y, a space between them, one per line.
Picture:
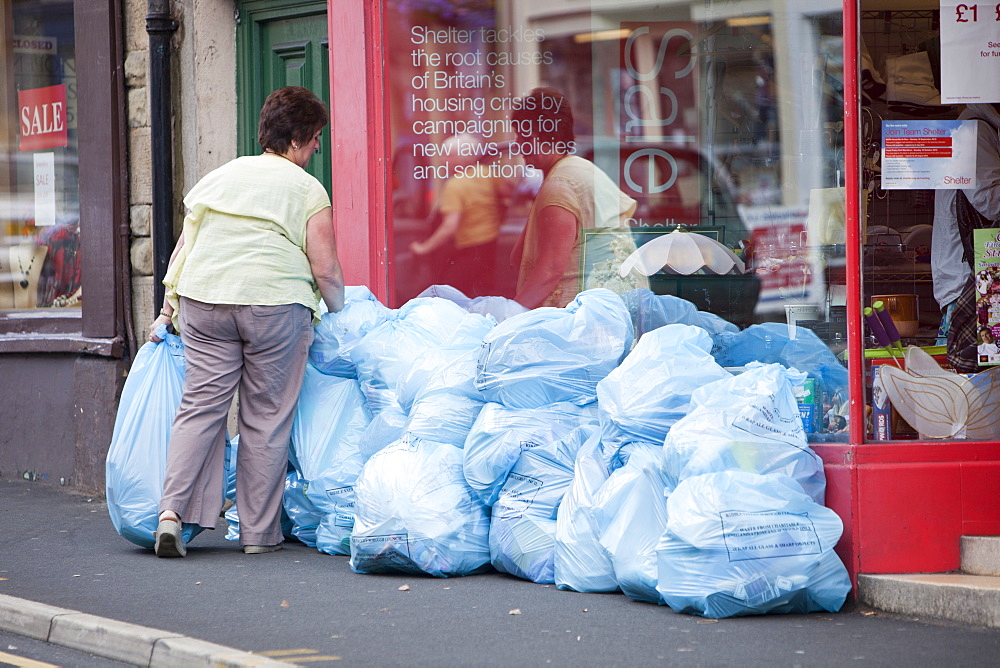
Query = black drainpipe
x=161 y=27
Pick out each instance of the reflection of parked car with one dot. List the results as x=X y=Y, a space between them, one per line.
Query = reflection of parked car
x=697 y=191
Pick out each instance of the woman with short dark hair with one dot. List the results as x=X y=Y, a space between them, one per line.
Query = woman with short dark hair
x=243 y=286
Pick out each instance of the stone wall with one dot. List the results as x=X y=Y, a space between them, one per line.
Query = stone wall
x=203 y=82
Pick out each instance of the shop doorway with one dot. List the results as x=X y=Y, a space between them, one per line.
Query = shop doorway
x=281 y=43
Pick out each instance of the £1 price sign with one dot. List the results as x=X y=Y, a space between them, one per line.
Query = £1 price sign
x=970 y=52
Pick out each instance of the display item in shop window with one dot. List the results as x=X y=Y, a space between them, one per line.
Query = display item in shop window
x=60 y=280
x=957 y=213
x=26 y=259
x=682 y=252
x=987 y=346
x=941 y=404
x=608 y=273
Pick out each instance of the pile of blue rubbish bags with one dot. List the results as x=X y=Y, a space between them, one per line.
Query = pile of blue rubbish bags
x=626 y=443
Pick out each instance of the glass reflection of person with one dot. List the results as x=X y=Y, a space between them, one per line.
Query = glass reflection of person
x=574 y=194
x=469 y=205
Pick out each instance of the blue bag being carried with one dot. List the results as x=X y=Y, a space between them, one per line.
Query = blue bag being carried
x=137 y=457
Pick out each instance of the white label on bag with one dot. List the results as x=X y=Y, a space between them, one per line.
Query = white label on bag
x=770 y=422
x=767 y=534
x=389 y=551
x=517 y=495
x=343 y=511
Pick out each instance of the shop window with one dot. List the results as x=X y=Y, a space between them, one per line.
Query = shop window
x=930 y=155
x=39 y=185
x=719 y=119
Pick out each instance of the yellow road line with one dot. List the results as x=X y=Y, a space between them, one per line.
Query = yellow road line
x=298 y=655
x=21 y=662
x=285 y=652
x=307 y=659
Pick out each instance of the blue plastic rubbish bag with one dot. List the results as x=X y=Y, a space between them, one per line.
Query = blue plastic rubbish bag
x=449 y=292
x=337 y=333
x=302 y=514
x=499 y=308
x=746 y=544
x=137 y=456
x=500 y=434
x=385 y=429
x=650 y=311
x=549 y=355
x=387 y=352
x=772 y=342
x=449 y=366
x=438 y=391
x=443 y=417
x=232 y=514
x=330 y=418
x=580 y=563
x=523 y=523
x=651 y=390
x=748 y=422
x=630 y=511
x=416 y=514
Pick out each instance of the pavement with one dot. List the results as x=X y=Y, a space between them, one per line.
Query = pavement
x=66 y=577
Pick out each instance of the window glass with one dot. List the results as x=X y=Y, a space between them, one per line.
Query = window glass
x=930 y=178
x=39 y=191
x=689 y=149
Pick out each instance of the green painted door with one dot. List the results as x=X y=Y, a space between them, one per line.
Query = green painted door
x=282 y=43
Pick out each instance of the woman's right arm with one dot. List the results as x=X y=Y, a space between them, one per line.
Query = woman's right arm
x=166 y=314
x=321 y=250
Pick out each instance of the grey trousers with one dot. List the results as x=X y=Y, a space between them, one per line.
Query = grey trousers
x=262 y=351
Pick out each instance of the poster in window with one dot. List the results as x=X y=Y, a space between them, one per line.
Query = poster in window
x=987 y=282
x=42 y=118
x=786 y=262
x=924 y=155
x=970 y=52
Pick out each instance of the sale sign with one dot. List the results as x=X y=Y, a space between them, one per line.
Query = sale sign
x=970 y=52
x=42 y=118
